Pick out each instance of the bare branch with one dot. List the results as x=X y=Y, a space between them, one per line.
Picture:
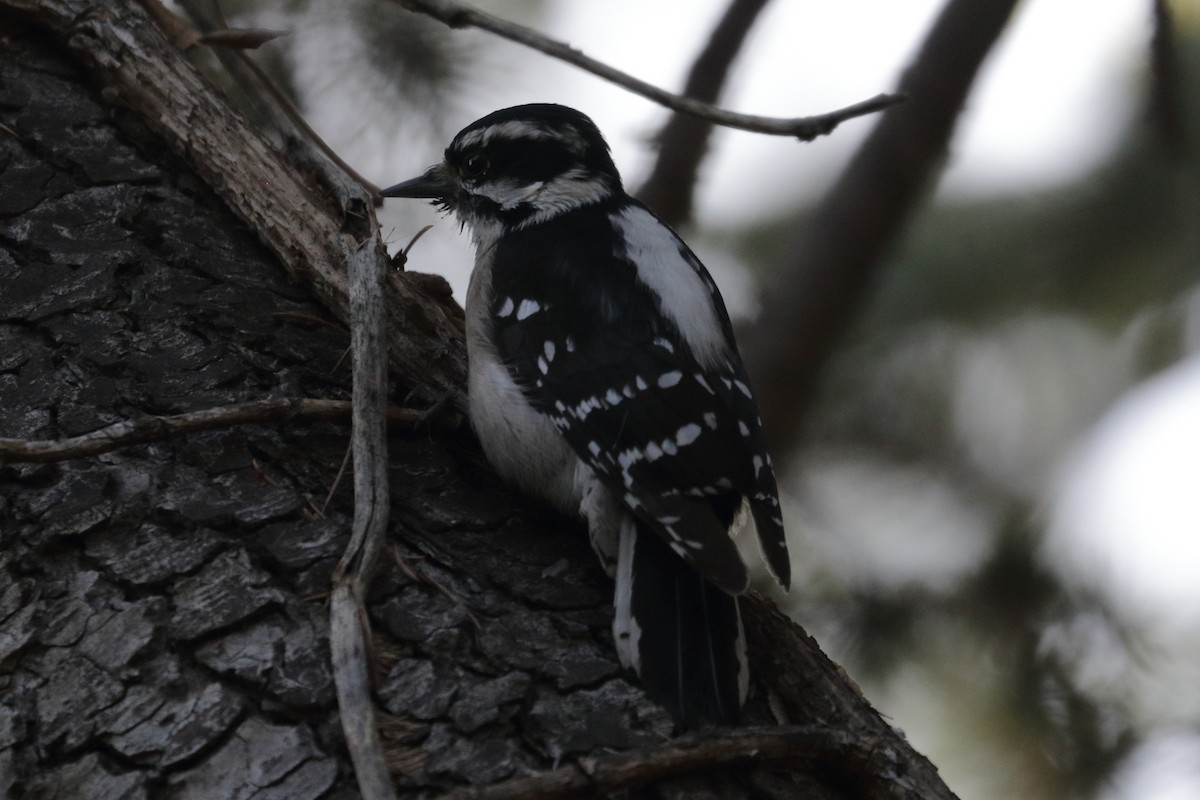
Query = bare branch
x=240 y=38
x=150 y=429
x=791 y=747
x=154 y=429
x=456 y=15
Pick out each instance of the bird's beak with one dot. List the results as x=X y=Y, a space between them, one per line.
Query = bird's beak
x=432 y=184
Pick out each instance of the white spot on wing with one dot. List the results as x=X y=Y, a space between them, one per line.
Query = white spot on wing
x=669 y=379
x=688 y=434
x=506 y=307
x=548 y=349
x=630 y=457
x=585 y=407
x=528 y=308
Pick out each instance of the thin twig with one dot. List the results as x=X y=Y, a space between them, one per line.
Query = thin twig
x=337 y=479
x=150 y=429
x=417 y=575
x=154 y=429
x=310 y=318
x=792 y=747
x=456 y=15
x=240 y=38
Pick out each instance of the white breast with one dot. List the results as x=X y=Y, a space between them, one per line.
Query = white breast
x=520 y=442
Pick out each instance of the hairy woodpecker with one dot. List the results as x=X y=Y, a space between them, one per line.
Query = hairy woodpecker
x=604 y=378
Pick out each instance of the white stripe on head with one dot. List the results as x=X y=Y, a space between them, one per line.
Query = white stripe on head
x=515 y=130
x=547 y=199
x=567 y=191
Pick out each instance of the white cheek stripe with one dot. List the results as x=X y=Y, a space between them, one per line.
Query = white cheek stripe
x=508 y=194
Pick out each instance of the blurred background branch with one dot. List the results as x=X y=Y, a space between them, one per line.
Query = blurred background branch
x=828 y=271
x=683 y=141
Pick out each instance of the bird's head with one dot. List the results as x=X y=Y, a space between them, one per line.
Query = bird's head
x=519 y=166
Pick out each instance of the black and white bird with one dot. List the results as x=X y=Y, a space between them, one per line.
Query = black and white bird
x=604 y=378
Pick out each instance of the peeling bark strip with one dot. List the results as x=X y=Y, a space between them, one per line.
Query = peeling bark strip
x=158 y=630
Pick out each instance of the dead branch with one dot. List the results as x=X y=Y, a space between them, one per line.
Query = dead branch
x=456 y=15
x=158 y=428
x=788 y=748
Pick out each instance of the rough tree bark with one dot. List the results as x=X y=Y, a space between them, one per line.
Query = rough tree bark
x=163 y=629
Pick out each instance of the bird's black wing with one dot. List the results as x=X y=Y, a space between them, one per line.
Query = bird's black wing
x=678 y=440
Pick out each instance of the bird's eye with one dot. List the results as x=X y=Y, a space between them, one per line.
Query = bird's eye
x=475 y=166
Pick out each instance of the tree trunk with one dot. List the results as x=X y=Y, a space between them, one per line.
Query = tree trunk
x=163 y=622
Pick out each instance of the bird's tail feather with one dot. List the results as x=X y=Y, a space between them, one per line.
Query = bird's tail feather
x=680 y=633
